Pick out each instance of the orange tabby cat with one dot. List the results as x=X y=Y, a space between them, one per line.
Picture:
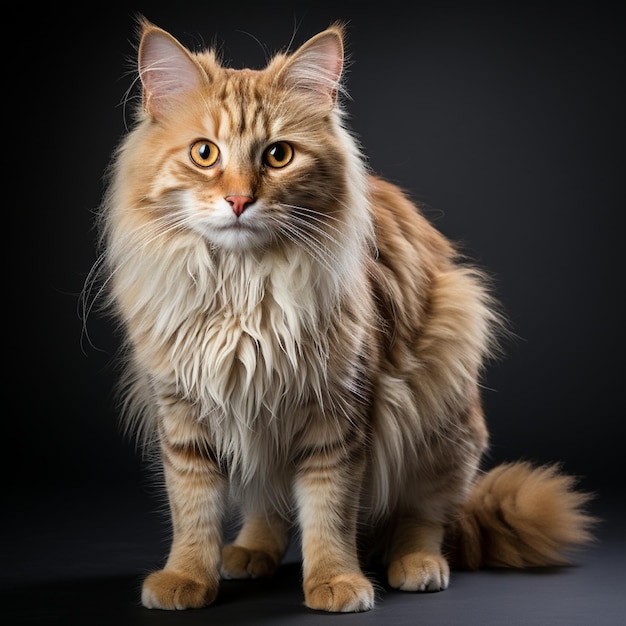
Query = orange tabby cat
x=303 y=344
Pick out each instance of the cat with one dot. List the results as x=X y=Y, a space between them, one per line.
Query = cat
x=302 y=346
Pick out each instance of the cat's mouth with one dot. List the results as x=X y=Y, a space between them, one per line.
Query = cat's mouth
x=238 y=234
x=238 y=225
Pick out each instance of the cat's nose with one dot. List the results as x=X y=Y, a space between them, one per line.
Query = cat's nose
x=239 y=203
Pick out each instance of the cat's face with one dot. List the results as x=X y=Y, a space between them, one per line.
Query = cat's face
x=245 y=158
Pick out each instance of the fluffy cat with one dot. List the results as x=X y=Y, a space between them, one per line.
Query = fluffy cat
x=302 y=344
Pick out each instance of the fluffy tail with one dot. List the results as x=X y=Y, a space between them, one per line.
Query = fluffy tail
x=521 y=516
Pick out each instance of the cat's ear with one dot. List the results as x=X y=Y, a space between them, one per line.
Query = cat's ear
x=166 y=70
x=315 y=68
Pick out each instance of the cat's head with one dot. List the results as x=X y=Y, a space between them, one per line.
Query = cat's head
x=246 y=158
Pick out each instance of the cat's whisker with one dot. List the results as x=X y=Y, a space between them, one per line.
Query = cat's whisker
x=311 y=245
x=315 y=230
x=160 y=227
x=321 y=215
x=89 y=298
x=128 y=96
x=298 y=237
x=305 y=222
x=316 y=216
x=86 y=300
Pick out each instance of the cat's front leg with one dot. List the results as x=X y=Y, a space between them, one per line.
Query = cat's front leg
x=327 y=491
x=195 y=488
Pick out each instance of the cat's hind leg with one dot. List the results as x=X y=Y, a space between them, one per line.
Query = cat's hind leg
x=415 y=559
x=258 y=549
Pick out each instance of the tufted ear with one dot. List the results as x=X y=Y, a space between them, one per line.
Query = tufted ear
x=315 y=68
x=166 y=70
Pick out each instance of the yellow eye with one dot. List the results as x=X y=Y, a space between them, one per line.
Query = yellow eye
x=278 y=154
x=204 y=153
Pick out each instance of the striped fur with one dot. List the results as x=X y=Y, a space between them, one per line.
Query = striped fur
x=314 y=359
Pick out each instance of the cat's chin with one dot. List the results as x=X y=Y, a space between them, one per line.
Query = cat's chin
x=237 y=238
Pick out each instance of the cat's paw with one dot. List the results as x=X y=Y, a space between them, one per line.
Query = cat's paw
x=346 y=593
x=167 y=589
x=239 y=562
x=420 y=571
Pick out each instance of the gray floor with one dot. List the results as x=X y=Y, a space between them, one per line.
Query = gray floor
x=79 y=559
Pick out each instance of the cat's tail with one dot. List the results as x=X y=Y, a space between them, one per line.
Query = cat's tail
x=521 y=516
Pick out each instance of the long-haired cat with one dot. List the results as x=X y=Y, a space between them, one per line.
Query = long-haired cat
x=302 y=344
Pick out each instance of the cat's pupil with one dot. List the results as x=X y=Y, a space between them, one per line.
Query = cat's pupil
x=278 y=152
x=205 y=151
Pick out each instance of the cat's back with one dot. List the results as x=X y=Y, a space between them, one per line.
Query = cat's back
x=400 y=225
x=410 y=254
x=439 y=318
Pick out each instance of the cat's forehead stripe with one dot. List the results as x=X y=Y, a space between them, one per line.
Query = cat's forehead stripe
x=239 y=108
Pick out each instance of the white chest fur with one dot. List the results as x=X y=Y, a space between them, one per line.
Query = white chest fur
x=236 y=335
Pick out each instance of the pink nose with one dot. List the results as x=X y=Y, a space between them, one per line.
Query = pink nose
x=239 y=203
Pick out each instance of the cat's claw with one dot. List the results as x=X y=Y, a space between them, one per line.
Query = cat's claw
x=170 y=590
x=239 y=562
x=419 y=572
x=346 y=593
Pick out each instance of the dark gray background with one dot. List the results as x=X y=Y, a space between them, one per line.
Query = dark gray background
x=505 y=119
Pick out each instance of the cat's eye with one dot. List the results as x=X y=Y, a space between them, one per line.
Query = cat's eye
x=204 y=153
x=278 y=154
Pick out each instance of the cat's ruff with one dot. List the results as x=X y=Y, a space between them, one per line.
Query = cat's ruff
x=301 y=343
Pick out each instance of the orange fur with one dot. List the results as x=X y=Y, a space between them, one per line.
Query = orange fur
x=521 y=516
x=313 y=357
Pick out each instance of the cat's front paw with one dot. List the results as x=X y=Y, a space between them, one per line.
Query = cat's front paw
x=240 y=562
x=170 y=590
x=346 y=593
x=419 y=571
